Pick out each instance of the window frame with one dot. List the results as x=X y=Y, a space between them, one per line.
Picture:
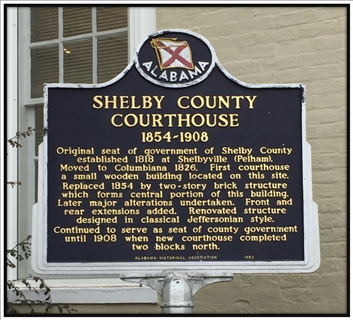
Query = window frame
x=21 y=163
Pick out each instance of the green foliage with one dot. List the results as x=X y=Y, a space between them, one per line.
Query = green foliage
x=15 y=140
x=26 y=249
x=20 y=252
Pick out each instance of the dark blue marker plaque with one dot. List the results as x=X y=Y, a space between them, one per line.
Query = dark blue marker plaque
x=175 y=162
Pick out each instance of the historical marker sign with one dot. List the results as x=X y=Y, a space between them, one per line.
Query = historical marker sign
x=175 y=164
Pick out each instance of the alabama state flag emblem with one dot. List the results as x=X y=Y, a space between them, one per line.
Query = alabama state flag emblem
x=172 y=54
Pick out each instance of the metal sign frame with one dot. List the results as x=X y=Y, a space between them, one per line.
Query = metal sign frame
x=154 y=269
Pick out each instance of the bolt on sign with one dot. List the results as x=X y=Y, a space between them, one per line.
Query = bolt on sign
x=175 y=164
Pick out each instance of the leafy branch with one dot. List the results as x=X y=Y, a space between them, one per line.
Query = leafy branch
x=13 y=183
x=22 y=251
x=25 y=247
x=22 y=299
x=14 y=141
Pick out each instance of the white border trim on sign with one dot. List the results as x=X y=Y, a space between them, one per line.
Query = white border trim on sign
x=155 y=269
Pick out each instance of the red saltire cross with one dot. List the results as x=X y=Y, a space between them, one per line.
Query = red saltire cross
x=175 y=55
